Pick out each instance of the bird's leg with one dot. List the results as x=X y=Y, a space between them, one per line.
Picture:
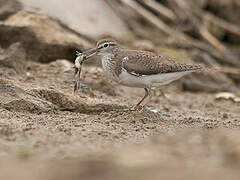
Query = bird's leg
x=151 y=109
x=165 y=96
x=149 y=98
x=145 y=96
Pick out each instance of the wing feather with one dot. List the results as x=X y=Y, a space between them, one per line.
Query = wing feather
x=136 y=64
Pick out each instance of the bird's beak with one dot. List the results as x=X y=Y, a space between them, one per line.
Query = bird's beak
x=90 y=52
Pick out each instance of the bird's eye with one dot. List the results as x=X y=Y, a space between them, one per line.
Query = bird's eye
x=105 y=45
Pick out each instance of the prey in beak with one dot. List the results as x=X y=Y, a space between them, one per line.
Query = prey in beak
x=81 y=57
x=88 y=53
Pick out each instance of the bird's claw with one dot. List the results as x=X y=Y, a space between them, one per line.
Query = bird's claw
x=156 y=112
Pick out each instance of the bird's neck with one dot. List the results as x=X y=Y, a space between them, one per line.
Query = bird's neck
x=108 y=63
x=111 y=64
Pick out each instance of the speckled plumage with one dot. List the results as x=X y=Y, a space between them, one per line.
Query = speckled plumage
x=147 y=63
x=143 y=62
x=140 y=69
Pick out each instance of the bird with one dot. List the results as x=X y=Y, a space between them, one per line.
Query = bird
x=136 y=68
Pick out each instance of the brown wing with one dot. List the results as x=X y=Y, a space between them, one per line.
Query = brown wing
x=147 y=63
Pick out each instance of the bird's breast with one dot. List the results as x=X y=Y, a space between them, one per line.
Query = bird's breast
x=109 y=66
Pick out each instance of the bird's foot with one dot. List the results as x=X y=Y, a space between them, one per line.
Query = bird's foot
x=154 y=111
x=138 y=108
x=167 y=97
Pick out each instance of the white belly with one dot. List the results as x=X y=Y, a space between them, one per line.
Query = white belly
x=149 y=80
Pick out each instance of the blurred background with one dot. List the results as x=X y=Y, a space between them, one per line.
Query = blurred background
x=206 y=31
x=71 y=137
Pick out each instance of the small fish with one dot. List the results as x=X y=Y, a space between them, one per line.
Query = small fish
x=81 y=57
x=77 y=65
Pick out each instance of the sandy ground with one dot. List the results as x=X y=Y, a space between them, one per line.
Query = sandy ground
x=47 y=132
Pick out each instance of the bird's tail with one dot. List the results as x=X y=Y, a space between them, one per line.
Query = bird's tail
x=209 y=69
